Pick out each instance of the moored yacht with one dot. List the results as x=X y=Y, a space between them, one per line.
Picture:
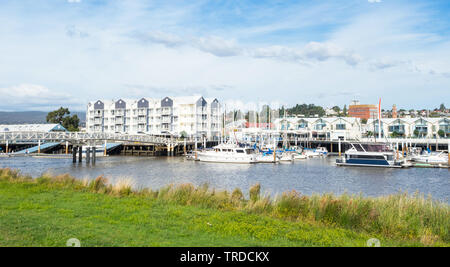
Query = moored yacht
x=369 y=156
x=311 y=153
x=228 y=153
x=266 y=157
x=321 y=150
x=431 y=158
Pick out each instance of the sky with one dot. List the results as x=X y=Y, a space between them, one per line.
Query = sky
x=68 y=52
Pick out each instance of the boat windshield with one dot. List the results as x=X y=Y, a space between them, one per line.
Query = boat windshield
x=249 y=151
x=372 y=147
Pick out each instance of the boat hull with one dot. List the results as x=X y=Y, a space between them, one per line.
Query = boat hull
x=225 y=159
x=368 y=165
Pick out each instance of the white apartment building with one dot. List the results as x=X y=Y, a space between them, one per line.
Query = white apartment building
x=192 y=116
x=411 y=127
x=321 y=128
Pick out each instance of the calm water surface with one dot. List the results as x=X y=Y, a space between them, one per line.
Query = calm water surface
x=306 y=176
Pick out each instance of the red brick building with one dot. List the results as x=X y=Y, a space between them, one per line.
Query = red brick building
x=363 y=111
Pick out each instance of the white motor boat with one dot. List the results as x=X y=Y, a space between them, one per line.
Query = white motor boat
x=369 y=156
x=431 y=158
x=267 y=158
x=287 y=157
x=300 y=156
x=228 y=153
x=322 y=151
x=310 y=153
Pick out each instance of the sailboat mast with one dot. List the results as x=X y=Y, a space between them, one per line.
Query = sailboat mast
x=379 y=119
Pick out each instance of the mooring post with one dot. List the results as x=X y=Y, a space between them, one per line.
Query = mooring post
x=396 y=149
x=274 y=151
x=403 y=150
x=184 y=148
x=94 y=154
x=448 y=152
x=88 y=155
x=80 y=154
x=104 y=151
x=339 y=146
x=67 y=147
x=74 y=154
x=7 y=146
x=39 y=146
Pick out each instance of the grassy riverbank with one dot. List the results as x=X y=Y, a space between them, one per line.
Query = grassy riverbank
x=49 y=210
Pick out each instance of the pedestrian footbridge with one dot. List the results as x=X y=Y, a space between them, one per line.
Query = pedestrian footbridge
x=80 y=138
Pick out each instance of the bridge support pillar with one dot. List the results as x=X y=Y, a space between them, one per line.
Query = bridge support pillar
x=80 y=154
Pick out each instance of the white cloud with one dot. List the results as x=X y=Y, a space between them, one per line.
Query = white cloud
x=380 y=51
x=32 y=96
x=159 y=37
x=74 y=1
x=217 y=46
x=74 y=32
x=374 y=1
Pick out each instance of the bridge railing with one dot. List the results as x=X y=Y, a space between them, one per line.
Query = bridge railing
x=76 y=137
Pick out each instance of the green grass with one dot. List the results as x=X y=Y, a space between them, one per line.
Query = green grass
x=50 y=210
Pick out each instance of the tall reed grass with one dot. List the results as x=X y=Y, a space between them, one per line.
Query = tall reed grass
x=400 y=215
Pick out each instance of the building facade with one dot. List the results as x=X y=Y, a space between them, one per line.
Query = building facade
x=330 y=128
x=411 y=127
x=193 y=116
x=358 y=110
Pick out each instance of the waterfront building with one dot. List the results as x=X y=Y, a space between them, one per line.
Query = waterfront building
x=45 y=127
x=358 y=110
x=192 y=116
x=410 y=127
x=321 y=128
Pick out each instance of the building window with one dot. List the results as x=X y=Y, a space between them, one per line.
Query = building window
x=397 y=129
x=320 y=126
x=340 y=126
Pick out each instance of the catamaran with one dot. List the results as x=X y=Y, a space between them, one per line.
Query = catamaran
x=369 y=156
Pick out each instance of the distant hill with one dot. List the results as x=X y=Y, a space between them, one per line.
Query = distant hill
x=23 y=117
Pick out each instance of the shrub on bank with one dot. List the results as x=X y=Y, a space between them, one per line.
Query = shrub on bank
x=400 y=216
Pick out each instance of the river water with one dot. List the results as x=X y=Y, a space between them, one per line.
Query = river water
x=306 y=176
